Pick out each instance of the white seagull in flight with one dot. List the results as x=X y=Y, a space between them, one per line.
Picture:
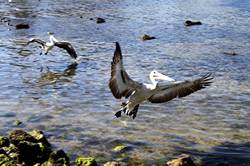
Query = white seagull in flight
x=47 y=46
x=121 y=85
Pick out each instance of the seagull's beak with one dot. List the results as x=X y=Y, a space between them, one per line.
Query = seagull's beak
x=160 y=76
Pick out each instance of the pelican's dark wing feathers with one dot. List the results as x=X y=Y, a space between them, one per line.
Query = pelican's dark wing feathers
x=68 y=47
x=120 y=83
x=39 y=41
x=179 y=89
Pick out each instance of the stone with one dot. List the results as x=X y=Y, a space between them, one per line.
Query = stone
x=191 y=23
x=115 y=163
x=100 y=20
x=86 y=161
x=147 y=37
x=18 y=135
x=4 y=142
x=58 y=158
x=22 y=26
x=185 y=160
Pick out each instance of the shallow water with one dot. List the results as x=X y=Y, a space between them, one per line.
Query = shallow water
x=73 y=104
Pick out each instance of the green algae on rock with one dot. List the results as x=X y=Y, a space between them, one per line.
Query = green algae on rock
x=4 y=141
x=30 y=149
x=120 y=148
x=147 y=37
x=86 y=161
x=184 y=160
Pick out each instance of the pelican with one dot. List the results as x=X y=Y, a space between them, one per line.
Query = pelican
x=47 y=46
x=121 y=85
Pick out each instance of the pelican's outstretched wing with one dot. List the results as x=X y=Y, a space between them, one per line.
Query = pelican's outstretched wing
x=68 y=47
x=179 y=89
x=120 y=83
x=39 y=41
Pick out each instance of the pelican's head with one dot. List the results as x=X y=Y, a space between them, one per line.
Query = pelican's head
x=155 y=75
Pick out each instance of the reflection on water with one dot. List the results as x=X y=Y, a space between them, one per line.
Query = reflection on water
x=72 y=102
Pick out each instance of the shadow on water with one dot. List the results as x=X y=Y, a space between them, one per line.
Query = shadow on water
x=225 y=154
x=50 y=77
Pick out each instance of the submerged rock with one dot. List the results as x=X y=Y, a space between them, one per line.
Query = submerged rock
x=86 y=161
x=232 y=53
x=147 y=37
x=185 y=160
x=191 y=23
x=115 y=163
x=22 y=26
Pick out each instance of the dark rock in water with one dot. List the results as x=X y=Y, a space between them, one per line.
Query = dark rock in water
x=6 y=161
x=100 y=20
x=30 y=148
x=185 y=160
x=4 y=142
x=40 y=137
x=147 y=37
x=230 y=53
x=191 y=23
x=115 y=163
x=17 y=136
x=31 y=153
x=57 y=158
x=86 y=161
x=22 y=26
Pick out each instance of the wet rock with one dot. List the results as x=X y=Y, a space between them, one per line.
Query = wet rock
x=22 y=26
x=185 y=160
x=18 y=122
x=115 y=163
x=17 y=136
x=31 y=153
x=86 y=161
x=4 y=142
x=100 y=20
x=40 y=137
x=57 y=158
x=191 y=23
x=147 y=37
x=121 y=148
x=232 y=53
x=6 y=161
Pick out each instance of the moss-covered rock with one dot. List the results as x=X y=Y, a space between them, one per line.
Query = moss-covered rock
x=115 y=163
x=57 y=158
x=147 y=37
x=17 y=136
x=4 y=141
x=86 y=161
x=6 y=161
x=121 y=148
x=184 y=160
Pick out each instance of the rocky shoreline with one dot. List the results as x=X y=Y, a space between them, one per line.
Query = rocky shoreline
x=23 y=148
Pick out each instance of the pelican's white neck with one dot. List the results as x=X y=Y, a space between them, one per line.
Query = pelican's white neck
x=52 y=39
x=152 y=79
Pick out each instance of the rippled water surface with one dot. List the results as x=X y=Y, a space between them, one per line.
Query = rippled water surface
x=73 y=105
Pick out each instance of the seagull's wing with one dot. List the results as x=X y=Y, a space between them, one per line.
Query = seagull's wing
x=68 y=47
x=39 y=41
x=120 y=83
x=179 y=89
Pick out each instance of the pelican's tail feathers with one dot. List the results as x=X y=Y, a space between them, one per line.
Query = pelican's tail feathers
x=125 y=110
x=133 y=113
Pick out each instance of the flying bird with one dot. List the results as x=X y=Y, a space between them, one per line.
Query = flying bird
x=47 y=46
x=121 y=85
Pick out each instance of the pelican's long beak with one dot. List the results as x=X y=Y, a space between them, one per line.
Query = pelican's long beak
x=160 y=76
